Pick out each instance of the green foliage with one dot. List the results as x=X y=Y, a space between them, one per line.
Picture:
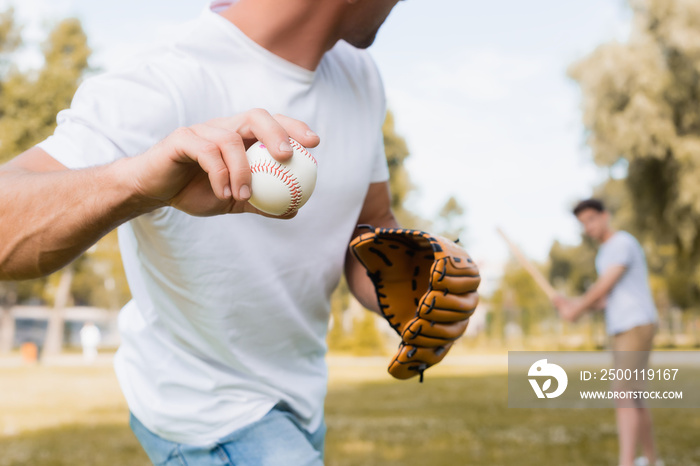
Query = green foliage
x=99 y=277
x=10 y=37
x=400 y=183
x=396 y=153
x=337 y=338
x=30 y=100
x=518 y=299
x=367 y=340
x=449 y=222
x=362 y=338
x=641 y=107
x=572 y=268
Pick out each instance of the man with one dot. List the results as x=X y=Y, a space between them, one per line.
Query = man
x=622 y=289
x=223 y=344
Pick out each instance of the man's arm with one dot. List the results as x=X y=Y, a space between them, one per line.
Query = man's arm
x=376 y=211
x=572 y=309
x=50 y=215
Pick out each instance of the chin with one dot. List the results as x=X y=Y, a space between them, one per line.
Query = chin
x=362 y=42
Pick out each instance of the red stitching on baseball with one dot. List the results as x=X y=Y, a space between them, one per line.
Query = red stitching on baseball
x=303 y=150
x=276 y=170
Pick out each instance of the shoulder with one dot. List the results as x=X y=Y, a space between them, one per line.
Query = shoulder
x=355 y=63
x=122 y=111
x=622 y=248
x=176 y=63
x=156 y=83
x=137 y=99
x=623 y=238
x=356 y=68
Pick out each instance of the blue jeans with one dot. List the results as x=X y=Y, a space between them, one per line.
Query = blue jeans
x=275 y=440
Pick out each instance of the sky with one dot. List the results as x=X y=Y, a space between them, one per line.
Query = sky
x=479 y=90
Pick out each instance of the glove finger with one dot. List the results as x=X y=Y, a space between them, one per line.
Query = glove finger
x=412 y=360
x=440 y=307
x=448 y=248
x=421 y=332
x=448 y=275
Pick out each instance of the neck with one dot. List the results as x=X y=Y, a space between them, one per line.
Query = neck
x=606 y=236
x=301 y=34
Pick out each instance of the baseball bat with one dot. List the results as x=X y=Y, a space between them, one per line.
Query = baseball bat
x=531 y=269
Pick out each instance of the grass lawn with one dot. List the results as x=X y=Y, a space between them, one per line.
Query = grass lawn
x=76 y=416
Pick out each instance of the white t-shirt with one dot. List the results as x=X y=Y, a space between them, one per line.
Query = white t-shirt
x=630 y=303
x=229 y=314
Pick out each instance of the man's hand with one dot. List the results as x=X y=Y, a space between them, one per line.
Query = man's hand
x=600 y=304
x=53 y=214
x=594 y=298
x=567 y=308
x=203 y=170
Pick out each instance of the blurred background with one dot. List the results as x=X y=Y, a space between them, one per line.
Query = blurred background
x=501 y=113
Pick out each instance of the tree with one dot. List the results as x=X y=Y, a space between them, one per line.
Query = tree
x=571 y=268
x=449 y=222
x=641 y=110
x=99 y=276
x=53 y=343
x=10 y=37
x=29 y=101
x=519 y=299
x=400 y=182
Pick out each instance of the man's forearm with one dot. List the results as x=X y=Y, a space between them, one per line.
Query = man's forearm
x=376 y=211
x=358 y=281
x=587 y=300
x=360 y=284
x=600 y=289
x=47 y=219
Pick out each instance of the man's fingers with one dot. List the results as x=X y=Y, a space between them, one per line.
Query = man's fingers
x=298 y=130
x=218 y=146
x=190 y=145
x=232 y=150
x=274 y=132
x=258 y=124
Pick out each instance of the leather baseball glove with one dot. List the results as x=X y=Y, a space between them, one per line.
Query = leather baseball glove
x=426 y=288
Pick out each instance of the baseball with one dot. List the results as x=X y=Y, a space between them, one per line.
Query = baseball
x=280 y=188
